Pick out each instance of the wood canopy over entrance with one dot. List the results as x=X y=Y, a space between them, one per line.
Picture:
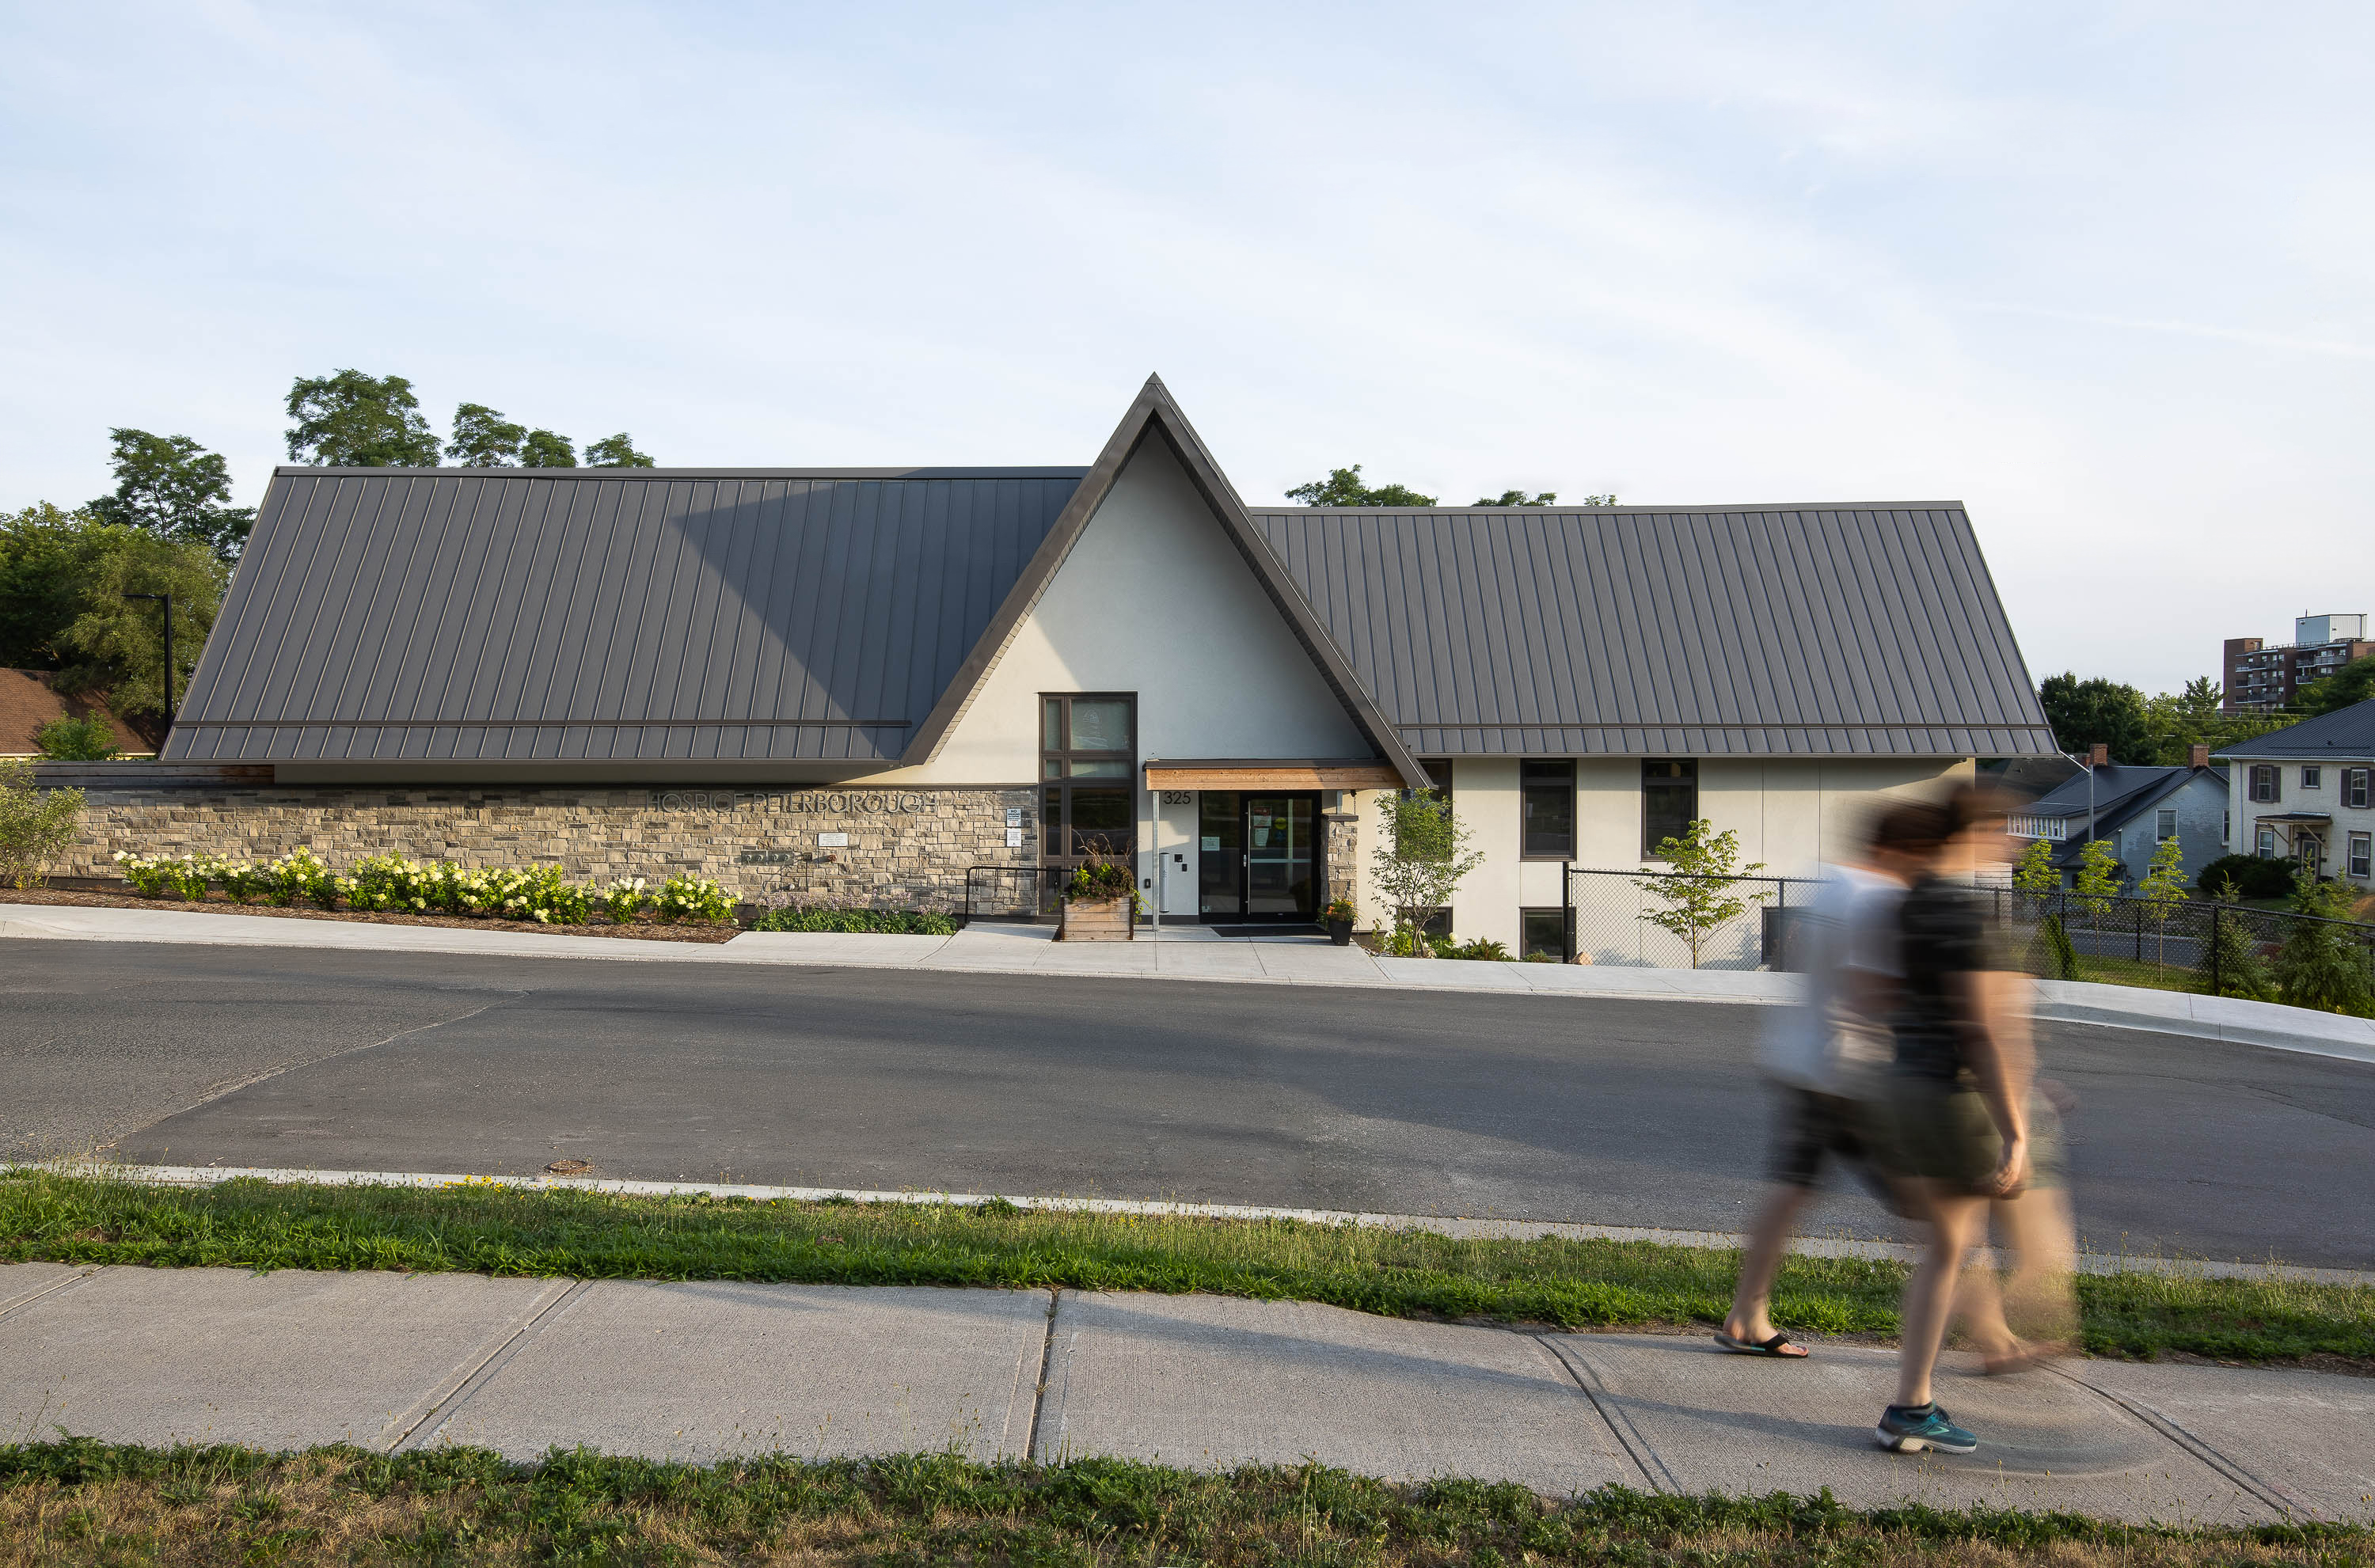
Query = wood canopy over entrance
x=1244 y=773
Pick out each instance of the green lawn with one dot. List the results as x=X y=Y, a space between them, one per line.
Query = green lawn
x=79 y=1501
x=1571 y=1284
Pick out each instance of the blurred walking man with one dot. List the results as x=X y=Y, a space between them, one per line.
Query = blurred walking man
x=1828 y=1059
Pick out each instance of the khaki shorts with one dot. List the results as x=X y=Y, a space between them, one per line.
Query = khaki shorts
x=1942 y=1132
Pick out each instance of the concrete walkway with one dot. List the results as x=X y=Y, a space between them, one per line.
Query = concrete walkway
x=1182 y=952
x=701 y=1371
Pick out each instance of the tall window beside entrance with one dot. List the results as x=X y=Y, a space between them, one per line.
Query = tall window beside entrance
x=1670 y=801
x=1088 y=762
x=1546 y=791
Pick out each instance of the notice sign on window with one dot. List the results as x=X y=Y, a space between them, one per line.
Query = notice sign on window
x=833 y=841
x=1212 y=844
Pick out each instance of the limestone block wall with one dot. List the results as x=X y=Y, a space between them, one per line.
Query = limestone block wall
x=905 y=848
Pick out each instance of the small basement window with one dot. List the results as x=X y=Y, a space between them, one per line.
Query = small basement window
x=1543 y=932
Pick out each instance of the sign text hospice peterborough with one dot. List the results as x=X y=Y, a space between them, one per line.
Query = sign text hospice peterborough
x=778 y=800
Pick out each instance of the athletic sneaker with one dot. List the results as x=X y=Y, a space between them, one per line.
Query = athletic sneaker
x=1908 y=1429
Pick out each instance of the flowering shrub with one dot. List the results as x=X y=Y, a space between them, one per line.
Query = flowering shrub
x=693 y=897
x=242 y=880
x=180 y=876
x=384 y=882
x=625 y=898
x=299 y=877
x=392 y=884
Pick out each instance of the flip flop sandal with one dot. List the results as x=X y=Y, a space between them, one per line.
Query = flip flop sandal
x=1770 y=1348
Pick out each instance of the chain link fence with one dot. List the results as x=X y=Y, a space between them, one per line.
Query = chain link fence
x=1680 y=920
x=1674 y=920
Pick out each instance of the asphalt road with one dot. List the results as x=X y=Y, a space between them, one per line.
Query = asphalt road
x=1544 y=1107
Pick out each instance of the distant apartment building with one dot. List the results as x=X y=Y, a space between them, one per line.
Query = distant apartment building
x=2259 y=677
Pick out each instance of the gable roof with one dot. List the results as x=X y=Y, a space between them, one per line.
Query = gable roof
x=1638 y=630
x=849 y=616
x=612 y=615
x=2345 y=733
x=1155 y=417
x=2121 y=790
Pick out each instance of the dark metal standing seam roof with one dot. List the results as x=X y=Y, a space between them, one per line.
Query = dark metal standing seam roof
x=2346 y=731
x=513 y=615
x=1783 y=630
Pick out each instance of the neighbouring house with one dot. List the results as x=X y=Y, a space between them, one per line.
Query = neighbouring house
x=2306 y=793
x=930 y=686
x=2260 y=677
x=2133 y=810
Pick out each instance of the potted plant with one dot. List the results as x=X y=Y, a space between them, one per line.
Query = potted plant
x=1338 y=916
x=1101 y=903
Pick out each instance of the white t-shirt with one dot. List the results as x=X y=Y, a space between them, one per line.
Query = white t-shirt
x=1827 y=1042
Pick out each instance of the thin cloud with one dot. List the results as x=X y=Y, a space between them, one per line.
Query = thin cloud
x=2192 y=329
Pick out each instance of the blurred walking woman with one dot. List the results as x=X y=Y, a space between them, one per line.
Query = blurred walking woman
x=1961 y=1134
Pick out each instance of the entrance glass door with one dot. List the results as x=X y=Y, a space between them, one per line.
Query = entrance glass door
x=1257 y=856
x=1278 y=855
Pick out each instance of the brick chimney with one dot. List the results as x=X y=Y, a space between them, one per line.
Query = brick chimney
x=2197 y=758
x=2101 y=756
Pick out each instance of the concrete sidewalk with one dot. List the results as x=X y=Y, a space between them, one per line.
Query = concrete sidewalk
x=705 y=1370
x=1182 y=952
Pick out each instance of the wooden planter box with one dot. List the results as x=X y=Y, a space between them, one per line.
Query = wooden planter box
x=1105 y=920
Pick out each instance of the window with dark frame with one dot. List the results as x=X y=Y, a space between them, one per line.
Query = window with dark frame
x=2362 y=848
x=2354 y=787
x=1543 y=932
x=1670 y=801
x=2312 y=778
x=1546 y=809
x=2265 y=789
x=1088 y=763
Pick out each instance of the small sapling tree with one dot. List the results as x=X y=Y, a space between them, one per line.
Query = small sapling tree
x=2163 y=890
x=1696 y=895
x=1421 y=863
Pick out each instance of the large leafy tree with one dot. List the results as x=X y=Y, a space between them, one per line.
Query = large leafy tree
x=617 y=451
x=1343 y=487
x=2177 y=721
x=170 y=485
x=2085 y=711
x=2352 y=683
x=543 y=449
x=484 y=438
x=352 y=420
x=64 y=582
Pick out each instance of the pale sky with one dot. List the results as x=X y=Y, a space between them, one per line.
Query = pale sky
x=2104 y=273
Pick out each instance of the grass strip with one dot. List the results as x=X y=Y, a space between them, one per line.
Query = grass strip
x=488 y=1228
x=80 y=1502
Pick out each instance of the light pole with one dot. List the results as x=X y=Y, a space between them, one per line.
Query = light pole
x=167 y=599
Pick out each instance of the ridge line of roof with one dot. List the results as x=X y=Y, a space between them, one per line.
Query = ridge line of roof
x=926 y=472
x=1558 y=510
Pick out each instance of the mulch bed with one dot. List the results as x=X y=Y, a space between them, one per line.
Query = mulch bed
x=644 y=930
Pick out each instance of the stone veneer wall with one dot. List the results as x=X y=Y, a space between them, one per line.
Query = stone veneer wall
x=1343 y=842
x=906 y=848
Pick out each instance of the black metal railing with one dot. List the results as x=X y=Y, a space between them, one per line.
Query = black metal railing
x=2221 y=949
x=1013 y=892
x=1677 y=920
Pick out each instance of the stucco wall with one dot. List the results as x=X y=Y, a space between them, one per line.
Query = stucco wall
x=1152 y=599
x=906 y=849
x=1792 y=814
